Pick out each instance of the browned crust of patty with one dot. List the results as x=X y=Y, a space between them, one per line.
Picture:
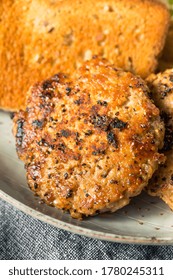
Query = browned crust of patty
x=91 y=144
x=40 y=37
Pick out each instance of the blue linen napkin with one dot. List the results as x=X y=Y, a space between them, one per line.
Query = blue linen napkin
x=23 y=237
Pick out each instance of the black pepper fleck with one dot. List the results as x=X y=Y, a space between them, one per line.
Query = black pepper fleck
x=65 y=133
x=102 y=103
x=47 y=84
x=43 y=142
x=88 y=132
x=69 y=194
x=62 y=147
x=68 y=91
x=101 y=121
x=78 y=101
x=113 y=182
x=65 y=175
x=112 y=139
x=38 y=123
x=20 y=132
x=98 y=152
x=117 y=123
x=35 y=186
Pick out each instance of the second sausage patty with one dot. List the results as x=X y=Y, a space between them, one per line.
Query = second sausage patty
x=161 y=86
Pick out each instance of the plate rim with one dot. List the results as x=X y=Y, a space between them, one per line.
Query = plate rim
x=83 y=231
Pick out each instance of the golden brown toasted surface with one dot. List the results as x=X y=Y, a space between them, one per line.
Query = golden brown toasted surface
x=161 y=86
x=91 y=144
x=43 y=37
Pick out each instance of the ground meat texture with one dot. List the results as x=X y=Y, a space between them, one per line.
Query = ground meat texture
x=161 y=86
x=84 y=159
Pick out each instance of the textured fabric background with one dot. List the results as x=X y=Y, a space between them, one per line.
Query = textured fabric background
x=22 y=237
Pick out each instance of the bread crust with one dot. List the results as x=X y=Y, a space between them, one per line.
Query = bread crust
x=43 y=37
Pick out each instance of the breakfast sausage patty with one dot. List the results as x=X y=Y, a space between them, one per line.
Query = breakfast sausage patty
x=92 y=143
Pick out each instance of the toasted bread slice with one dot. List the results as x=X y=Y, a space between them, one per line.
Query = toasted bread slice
x=43 y=37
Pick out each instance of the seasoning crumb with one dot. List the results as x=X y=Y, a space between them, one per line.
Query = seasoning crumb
x=65 y=175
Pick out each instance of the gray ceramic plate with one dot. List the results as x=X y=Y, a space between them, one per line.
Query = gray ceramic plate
x=146 y=220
